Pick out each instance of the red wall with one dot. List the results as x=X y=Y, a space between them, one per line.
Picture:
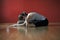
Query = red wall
x=12 y=8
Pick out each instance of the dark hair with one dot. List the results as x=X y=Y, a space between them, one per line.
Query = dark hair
x=23 y=14
x=20 y=17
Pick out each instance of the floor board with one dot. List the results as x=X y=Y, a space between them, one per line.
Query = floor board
x=51 y=32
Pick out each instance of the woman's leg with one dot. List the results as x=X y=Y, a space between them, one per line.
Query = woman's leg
x=41 y=23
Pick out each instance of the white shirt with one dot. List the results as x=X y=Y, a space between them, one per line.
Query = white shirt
x=36 y=16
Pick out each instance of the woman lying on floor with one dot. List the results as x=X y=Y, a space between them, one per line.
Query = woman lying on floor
x=31 y=18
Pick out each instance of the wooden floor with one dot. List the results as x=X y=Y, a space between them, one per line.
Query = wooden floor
x=41 y=33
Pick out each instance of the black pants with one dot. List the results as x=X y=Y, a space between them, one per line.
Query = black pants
x=40 y=22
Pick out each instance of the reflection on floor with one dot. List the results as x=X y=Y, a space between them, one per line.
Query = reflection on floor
x=52 y=32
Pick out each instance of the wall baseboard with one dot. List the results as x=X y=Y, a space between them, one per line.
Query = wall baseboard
x=54 y=23
x=51 y=23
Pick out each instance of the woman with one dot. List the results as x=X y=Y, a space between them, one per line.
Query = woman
x=32 y=18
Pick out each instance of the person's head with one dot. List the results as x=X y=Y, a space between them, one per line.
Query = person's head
x=23 y=13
